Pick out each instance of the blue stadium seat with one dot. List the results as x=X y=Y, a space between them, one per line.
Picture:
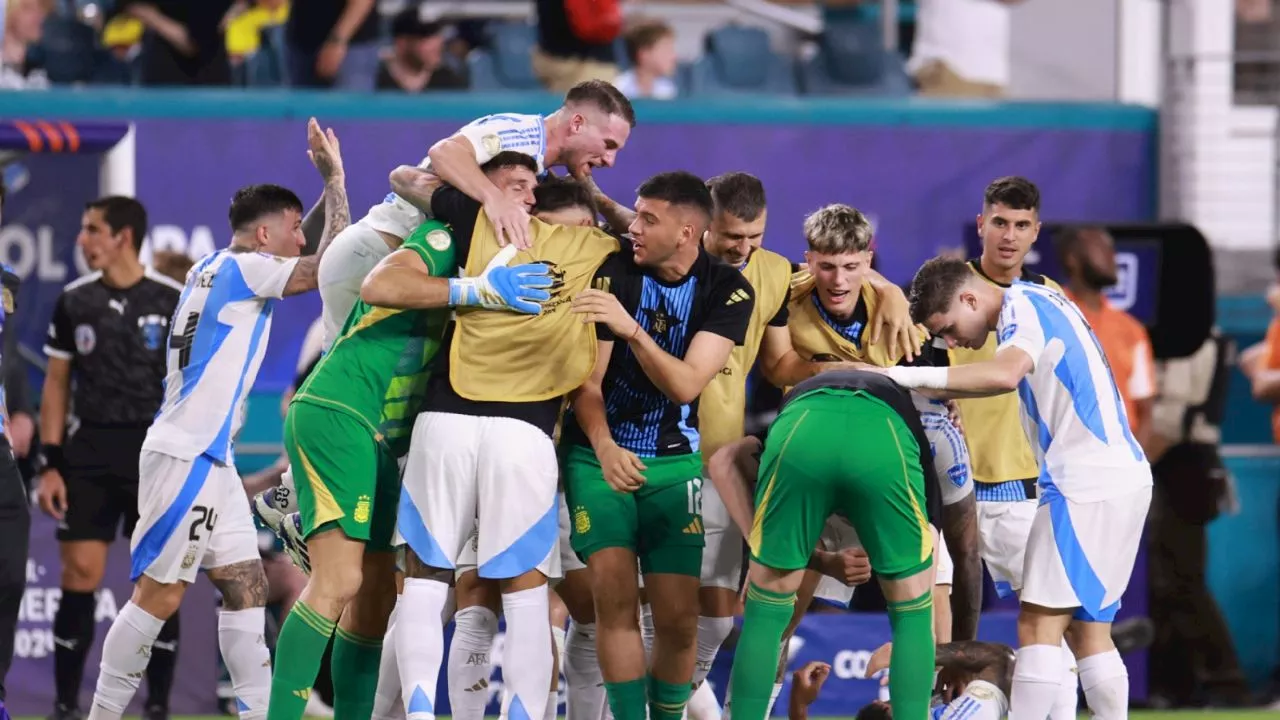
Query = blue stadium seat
x=507 y=63
x=738 y=60
x=851 y=60
x=66 y=50
x=108 y=70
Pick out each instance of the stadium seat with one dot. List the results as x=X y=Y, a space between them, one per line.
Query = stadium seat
x=851 y=60
x=506 y=64
x=66 y=50
x=738 y=60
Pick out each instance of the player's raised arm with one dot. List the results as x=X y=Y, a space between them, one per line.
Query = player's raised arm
x=457 y=160
x=415 y=186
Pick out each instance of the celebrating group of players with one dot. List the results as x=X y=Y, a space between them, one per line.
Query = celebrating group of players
x=513 y=397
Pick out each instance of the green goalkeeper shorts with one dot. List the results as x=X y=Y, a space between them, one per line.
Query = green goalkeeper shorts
x=847 y=452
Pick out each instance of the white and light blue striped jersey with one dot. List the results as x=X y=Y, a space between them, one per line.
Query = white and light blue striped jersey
x=489 y=136
x=1071 y=409
x=217 y=340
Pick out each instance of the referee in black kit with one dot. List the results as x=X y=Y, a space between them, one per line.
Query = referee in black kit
x=109 y=335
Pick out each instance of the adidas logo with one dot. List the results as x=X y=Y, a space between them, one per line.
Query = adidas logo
x=695 y=527
x=305 y=693
x=737 y=296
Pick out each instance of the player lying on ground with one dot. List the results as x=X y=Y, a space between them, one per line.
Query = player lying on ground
x=371 y=384
x=189 y=481
x=975 y=677
x=1095 y=480
x=879 y=485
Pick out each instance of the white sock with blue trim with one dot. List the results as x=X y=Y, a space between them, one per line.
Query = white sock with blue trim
x=125 y=654
x=420 y=644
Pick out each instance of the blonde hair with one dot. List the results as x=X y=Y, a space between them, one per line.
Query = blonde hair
x=173 y=264
x=838 y=229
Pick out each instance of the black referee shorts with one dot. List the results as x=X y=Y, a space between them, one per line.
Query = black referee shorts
x=102 y=482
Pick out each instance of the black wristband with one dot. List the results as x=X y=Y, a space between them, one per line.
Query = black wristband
x=52 y=457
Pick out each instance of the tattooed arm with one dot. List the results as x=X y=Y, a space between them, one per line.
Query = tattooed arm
x=960 y=528
x=615 y=214
x=243 y=585
x=325 y=154
x=415 y=186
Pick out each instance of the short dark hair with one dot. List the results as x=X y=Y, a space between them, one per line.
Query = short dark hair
x=1066 y=240
x=935 y=285
x=121 y=212
x=739 y=194
x=559 y=193
x=643 y=35
x=605 y=97
x=254 y=202
x=679 y=188
x=875 y=711
x=1014 y=192
x=510 y=158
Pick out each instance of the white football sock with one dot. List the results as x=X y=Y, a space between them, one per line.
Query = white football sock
x=647 y=633
x=1068 y=700
x=1106 y=685
x=773 y=698
x=711 y=634
x=526 y=656
x=552 y=711
x=125 y=654
x=387 y=703
x=420 y=645
x=586 y=695
x=558 y=636
x=1037 y=677
x=244 y=651
x=470 y=663
x=703 y=704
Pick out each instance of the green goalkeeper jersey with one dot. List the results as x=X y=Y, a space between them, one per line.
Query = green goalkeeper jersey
x=377 y=369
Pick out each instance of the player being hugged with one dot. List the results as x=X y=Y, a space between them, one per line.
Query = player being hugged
x=1095 y=482
x=193 y=514
x=669 y=314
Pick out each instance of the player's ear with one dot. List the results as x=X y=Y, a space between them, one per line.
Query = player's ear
x=978 y=224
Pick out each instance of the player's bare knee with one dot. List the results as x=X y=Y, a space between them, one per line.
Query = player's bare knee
x=418 y=570
x=1089 y=638
x=471 y=590
x=368 y=611
x=575 y=591
x=336 y=583
x=83 y=565
x=159 y=600
x=243 y=585
x=717 y=602
x=1038 y=625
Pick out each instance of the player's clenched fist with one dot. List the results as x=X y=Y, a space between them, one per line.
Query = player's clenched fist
x=850 y=566
x=622 y=468
x=597 y=306
x=807 y=682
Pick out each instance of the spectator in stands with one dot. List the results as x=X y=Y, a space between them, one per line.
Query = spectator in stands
x=334 y=43
x=22 y=24
x=562 y=59
x=961 y=47
x=1193 y=659
x=183 y=42
x=416 y=61
x=247 y=22
x=1088 y=257
x=651 y=50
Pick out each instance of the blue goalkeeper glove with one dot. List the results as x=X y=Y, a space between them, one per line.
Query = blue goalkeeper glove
x=519 y=288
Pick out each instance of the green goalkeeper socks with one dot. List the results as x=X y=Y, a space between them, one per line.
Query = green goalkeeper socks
x=755 y=661
x=911 y=663
x=356 y=660
x=299 y=649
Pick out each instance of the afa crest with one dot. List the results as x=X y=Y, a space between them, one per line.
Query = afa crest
x=361 y=514
x=581 y=520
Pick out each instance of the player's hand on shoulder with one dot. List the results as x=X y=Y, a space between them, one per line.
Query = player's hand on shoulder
x=52 y=494
x=510 y=222
x=895 y=328
x=324 y=151
x=622 y=469
x=807 y=682
x=598 y=306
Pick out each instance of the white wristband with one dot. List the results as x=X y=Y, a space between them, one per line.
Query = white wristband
x=932 y=378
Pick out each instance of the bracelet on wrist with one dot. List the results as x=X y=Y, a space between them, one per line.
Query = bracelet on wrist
x=635 y=333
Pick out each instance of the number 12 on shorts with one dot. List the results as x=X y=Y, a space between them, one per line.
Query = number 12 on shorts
x=694 y=490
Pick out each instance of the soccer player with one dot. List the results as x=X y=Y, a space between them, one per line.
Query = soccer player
x=557 y=201
x=880 y=488
x=108 y=335
x=1004 y=465
x=978 y=675
x=369 y=386
x=586 y=132
x=1094 y=479
x=668 y=315
x=481 y=459
x=192 y=509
